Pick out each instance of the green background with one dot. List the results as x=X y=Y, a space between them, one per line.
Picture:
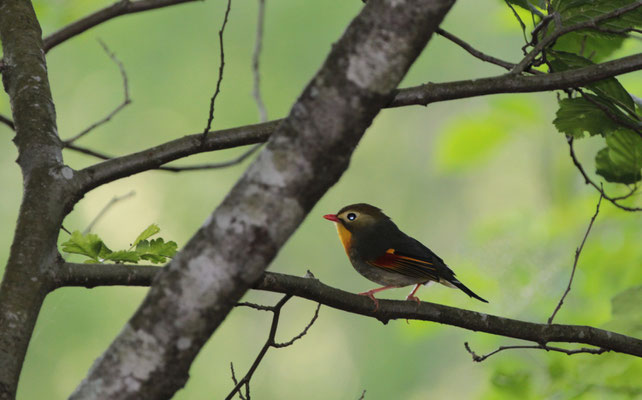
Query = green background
x=485 y=182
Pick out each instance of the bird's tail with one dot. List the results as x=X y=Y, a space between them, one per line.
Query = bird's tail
x=464 y=289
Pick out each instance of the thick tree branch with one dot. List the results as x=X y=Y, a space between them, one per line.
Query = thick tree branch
x=117 y=9
x=154 y=157
x=45 y=186
x=314 y=290
x=306 y=155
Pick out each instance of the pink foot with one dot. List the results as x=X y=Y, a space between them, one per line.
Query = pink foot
x=370 y=293
x=414 y=298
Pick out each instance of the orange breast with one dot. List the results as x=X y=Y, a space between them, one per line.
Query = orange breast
x=345 y=236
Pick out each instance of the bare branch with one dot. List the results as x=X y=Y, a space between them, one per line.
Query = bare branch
x=519 y=19
x=474 y=52
x=363 y=395
x=221 y=67
x=258 y=45
x=312 y=289
x=276 y=310
x=478 y=358
x=588 y=181
x=119 y=8
x=104 y=210
x=578 y=251
x=510 y=83
x=108 y=117
x=198 y=167
x=425 y=94
x=7 y=121
x=236 y=382
x=303 y=332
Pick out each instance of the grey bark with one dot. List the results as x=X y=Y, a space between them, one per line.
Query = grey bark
x=305 y=156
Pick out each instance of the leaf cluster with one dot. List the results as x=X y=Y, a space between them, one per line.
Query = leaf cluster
x=90 y=245
x=604 y=108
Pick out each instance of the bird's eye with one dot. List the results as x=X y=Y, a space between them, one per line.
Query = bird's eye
x=352 y=216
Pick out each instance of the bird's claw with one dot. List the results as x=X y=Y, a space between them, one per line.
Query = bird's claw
x=371 y=295
x=413 y=298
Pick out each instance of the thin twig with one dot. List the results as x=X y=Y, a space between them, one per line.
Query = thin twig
x=588 y=181
x=478 y=358
x=221 y=68
x=258 y=45
x=519 y=19
x=275 y=322
x=125 y=103
x=109 y=205
x=7 y=121
x=235 y=381
x=474 y=52
x=363 y=395
x=271 y=341
x=303 y=332
x=578 y=251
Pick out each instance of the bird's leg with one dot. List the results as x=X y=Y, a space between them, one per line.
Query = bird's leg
x=370 y=293
x=412 y=296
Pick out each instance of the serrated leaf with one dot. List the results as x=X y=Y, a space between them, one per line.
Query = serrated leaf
x=598 y=44
x=621 y=160
x=89 y=245
x=578 y=116
x=123 y=256
x=607 y=89
x=156 y=250
x=146 y=234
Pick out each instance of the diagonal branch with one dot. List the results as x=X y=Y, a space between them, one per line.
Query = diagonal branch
x=305 y=156
x=578 y=251
x=126 y=99
x=117 y=9
x=474 y=52
x=314 y=290
x=7 y=121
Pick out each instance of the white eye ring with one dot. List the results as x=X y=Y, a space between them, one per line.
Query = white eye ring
x=351 y=216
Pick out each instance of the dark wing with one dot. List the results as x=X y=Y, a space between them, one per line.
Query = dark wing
x=405 y=264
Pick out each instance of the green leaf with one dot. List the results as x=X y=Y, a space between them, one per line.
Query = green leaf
x=577 y=116
x=122 y=256
x=598 y=44
x=89 y=245
x=146 y=234
x=607 y=89
x=621 y=160
x=156 y=250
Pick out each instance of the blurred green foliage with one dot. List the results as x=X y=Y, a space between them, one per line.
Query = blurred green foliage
x=486 y=183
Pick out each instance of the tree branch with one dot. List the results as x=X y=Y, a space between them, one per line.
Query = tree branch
x=478 y=358
x=154 y=157
x=117 y=9
x=474 y=52
x=306 y=155
x=221 y=68
x=314 y=290
x=7 y=121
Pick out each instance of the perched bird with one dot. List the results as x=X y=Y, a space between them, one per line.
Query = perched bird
x=384 y=254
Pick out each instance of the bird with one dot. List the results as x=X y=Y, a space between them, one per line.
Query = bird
x=382 y=253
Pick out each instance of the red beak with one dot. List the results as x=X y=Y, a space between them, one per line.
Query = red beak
x=332 y=217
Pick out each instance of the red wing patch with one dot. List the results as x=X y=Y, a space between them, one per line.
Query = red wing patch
x=405 y=265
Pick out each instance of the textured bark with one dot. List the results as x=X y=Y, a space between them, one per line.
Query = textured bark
x=23 y=286
x=306 y=155
x=312 y=289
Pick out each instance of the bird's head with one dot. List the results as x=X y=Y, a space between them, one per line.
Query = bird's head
x=359 y=216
